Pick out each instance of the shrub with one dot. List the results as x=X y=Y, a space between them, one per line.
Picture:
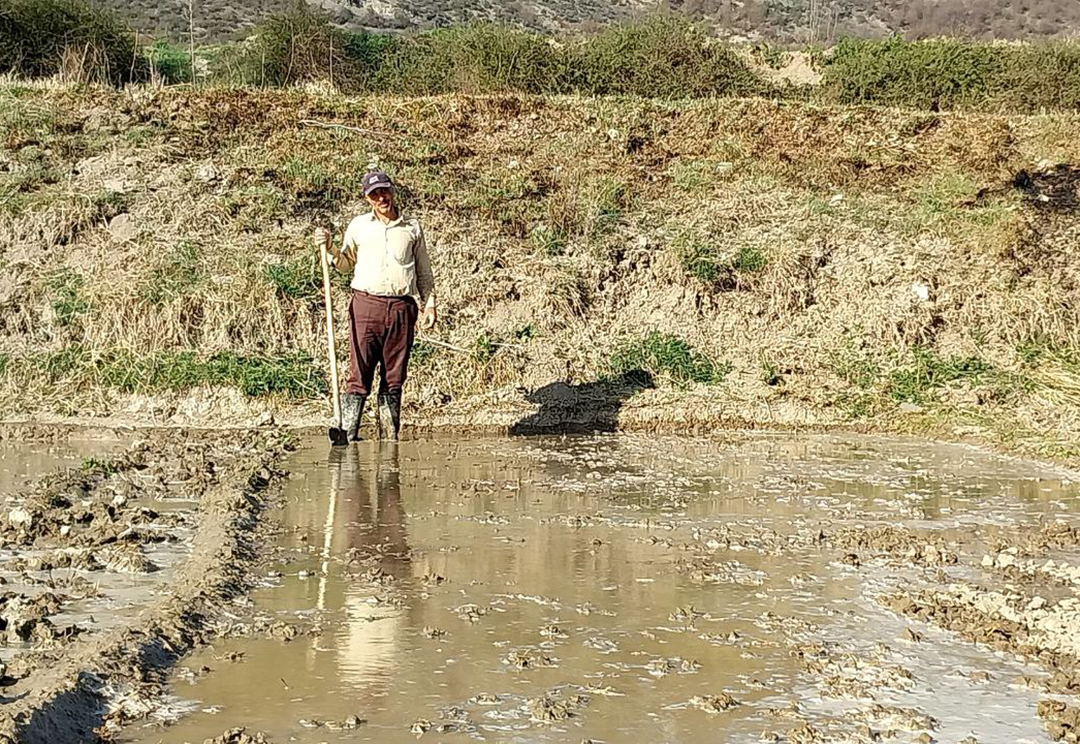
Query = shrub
x=658 y=57
x=477 y=58
x=661 y=354
x=171 y=64
x=954 y=74
x=41 y=38
x=302 y=45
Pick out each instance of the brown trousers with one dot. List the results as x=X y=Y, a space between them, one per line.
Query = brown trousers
x=381 y=333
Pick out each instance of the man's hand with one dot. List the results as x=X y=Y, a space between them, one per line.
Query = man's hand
x=325 y=240
x=431 y=316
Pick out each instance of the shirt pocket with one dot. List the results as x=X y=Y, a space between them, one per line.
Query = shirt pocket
x=400 y=247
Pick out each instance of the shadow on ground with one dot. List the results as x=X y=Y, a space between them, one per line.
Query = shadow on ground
x=590 y=406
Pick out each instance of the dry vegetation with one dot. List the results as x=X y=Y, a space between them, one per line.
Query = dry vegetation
x=797 y=21
x=744 y=260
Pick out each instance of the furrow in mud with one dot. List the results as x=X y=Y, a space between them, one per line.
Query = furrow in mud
x=96 y=519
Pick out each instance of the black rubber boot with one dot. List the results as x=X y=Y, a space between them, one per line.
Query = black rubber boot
x=390 y=415
x=352 y=408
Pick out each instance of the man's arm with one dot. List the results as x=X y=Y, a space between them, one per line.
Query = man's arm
x=344 y=258
x=425 y=280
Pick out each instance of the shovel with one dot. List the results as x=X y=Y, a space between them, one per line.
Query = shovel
x=338 y=436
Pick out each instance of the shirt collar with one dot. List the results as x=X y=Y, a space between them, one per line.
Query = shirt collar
x=393 y=223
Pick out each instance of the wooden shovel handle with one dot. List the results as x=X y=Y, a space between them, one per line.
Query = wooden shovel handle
x=331 y=348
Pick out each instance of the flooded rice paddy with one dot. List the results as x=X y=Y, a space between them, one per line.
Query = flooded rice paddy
x=625 y=588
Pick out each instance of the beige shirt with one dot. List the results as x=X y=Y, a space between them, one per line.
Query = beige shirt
x=387 y=259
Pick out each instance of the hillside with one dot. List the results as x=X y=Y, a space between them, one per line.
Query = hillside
x=789 y=21
x=600 y=262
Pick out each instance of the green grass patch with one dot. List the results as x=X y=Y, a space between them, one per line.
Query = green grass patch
x=290 y=375
x=704 y=261
x=928 y=372
x=664 y=355
x=68 y=304
x=95 y=466
x=178 y=276
x=422 y=352
x=300 y=278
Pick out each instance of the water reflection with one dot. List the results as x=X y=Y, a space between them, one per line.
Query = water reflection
x=370 y=534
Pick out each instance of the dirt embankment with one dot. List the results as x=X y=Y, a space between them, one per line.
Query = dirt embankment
x=600 y=263
x=73 y=684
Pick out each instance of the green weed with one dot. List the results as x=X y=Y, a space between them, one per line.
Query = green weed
x=96 y=466
x=698 y=259
x=692 y=176
x=300 y=278
x=178 y=276
x=928 y=372
x=548 y=240
x=68 y=303
x=606 y=201
x=770 y=373
x=703 y=261
x=661 y=354
x=484 y=348
x=422 y=352
x=749 y=259
x=291 y=375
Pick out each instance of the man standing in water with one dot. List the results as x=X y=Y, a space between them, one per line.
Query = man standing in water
x=387 y=255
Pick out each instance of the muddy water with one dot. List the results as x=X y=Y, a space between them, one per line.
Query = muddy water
x=619 y=588
x=92 y=601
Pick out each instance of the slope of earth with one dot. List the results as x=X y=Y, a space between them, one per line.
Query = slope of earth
x=600 y=263
x=783 y=20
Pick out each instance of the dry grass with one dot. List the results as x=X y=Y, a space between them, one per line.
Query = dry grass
x=847 y=241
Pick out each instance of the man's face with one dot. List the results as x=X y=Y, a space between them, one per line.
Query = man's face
x=381 y=200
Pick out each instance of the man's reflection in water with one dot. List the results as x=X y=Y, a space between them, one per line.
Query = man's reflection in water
x=369 y=536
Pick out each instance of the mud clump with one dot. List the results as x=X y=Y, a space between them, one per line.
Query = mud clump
x=25 y=619
x=551 y=709
x=999 y=633
x=714 y=703
x=1016 y=568
x=239 y=736
x=1062 y=721
x=895 y=542
x=1058 y=535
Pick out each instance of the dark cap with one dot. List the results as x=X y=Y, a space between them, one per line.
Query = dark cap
x=376 y=180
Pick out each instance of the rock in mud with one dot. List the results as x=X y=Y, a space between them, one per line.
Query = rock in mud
x=239 y=736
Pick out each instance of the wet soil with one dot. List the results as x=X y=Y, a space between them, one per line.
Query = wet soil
x=115 y=568
x=633 y=588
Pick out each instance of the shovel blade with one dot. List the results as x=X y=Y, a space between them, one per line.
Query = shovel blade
x=338 y=437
